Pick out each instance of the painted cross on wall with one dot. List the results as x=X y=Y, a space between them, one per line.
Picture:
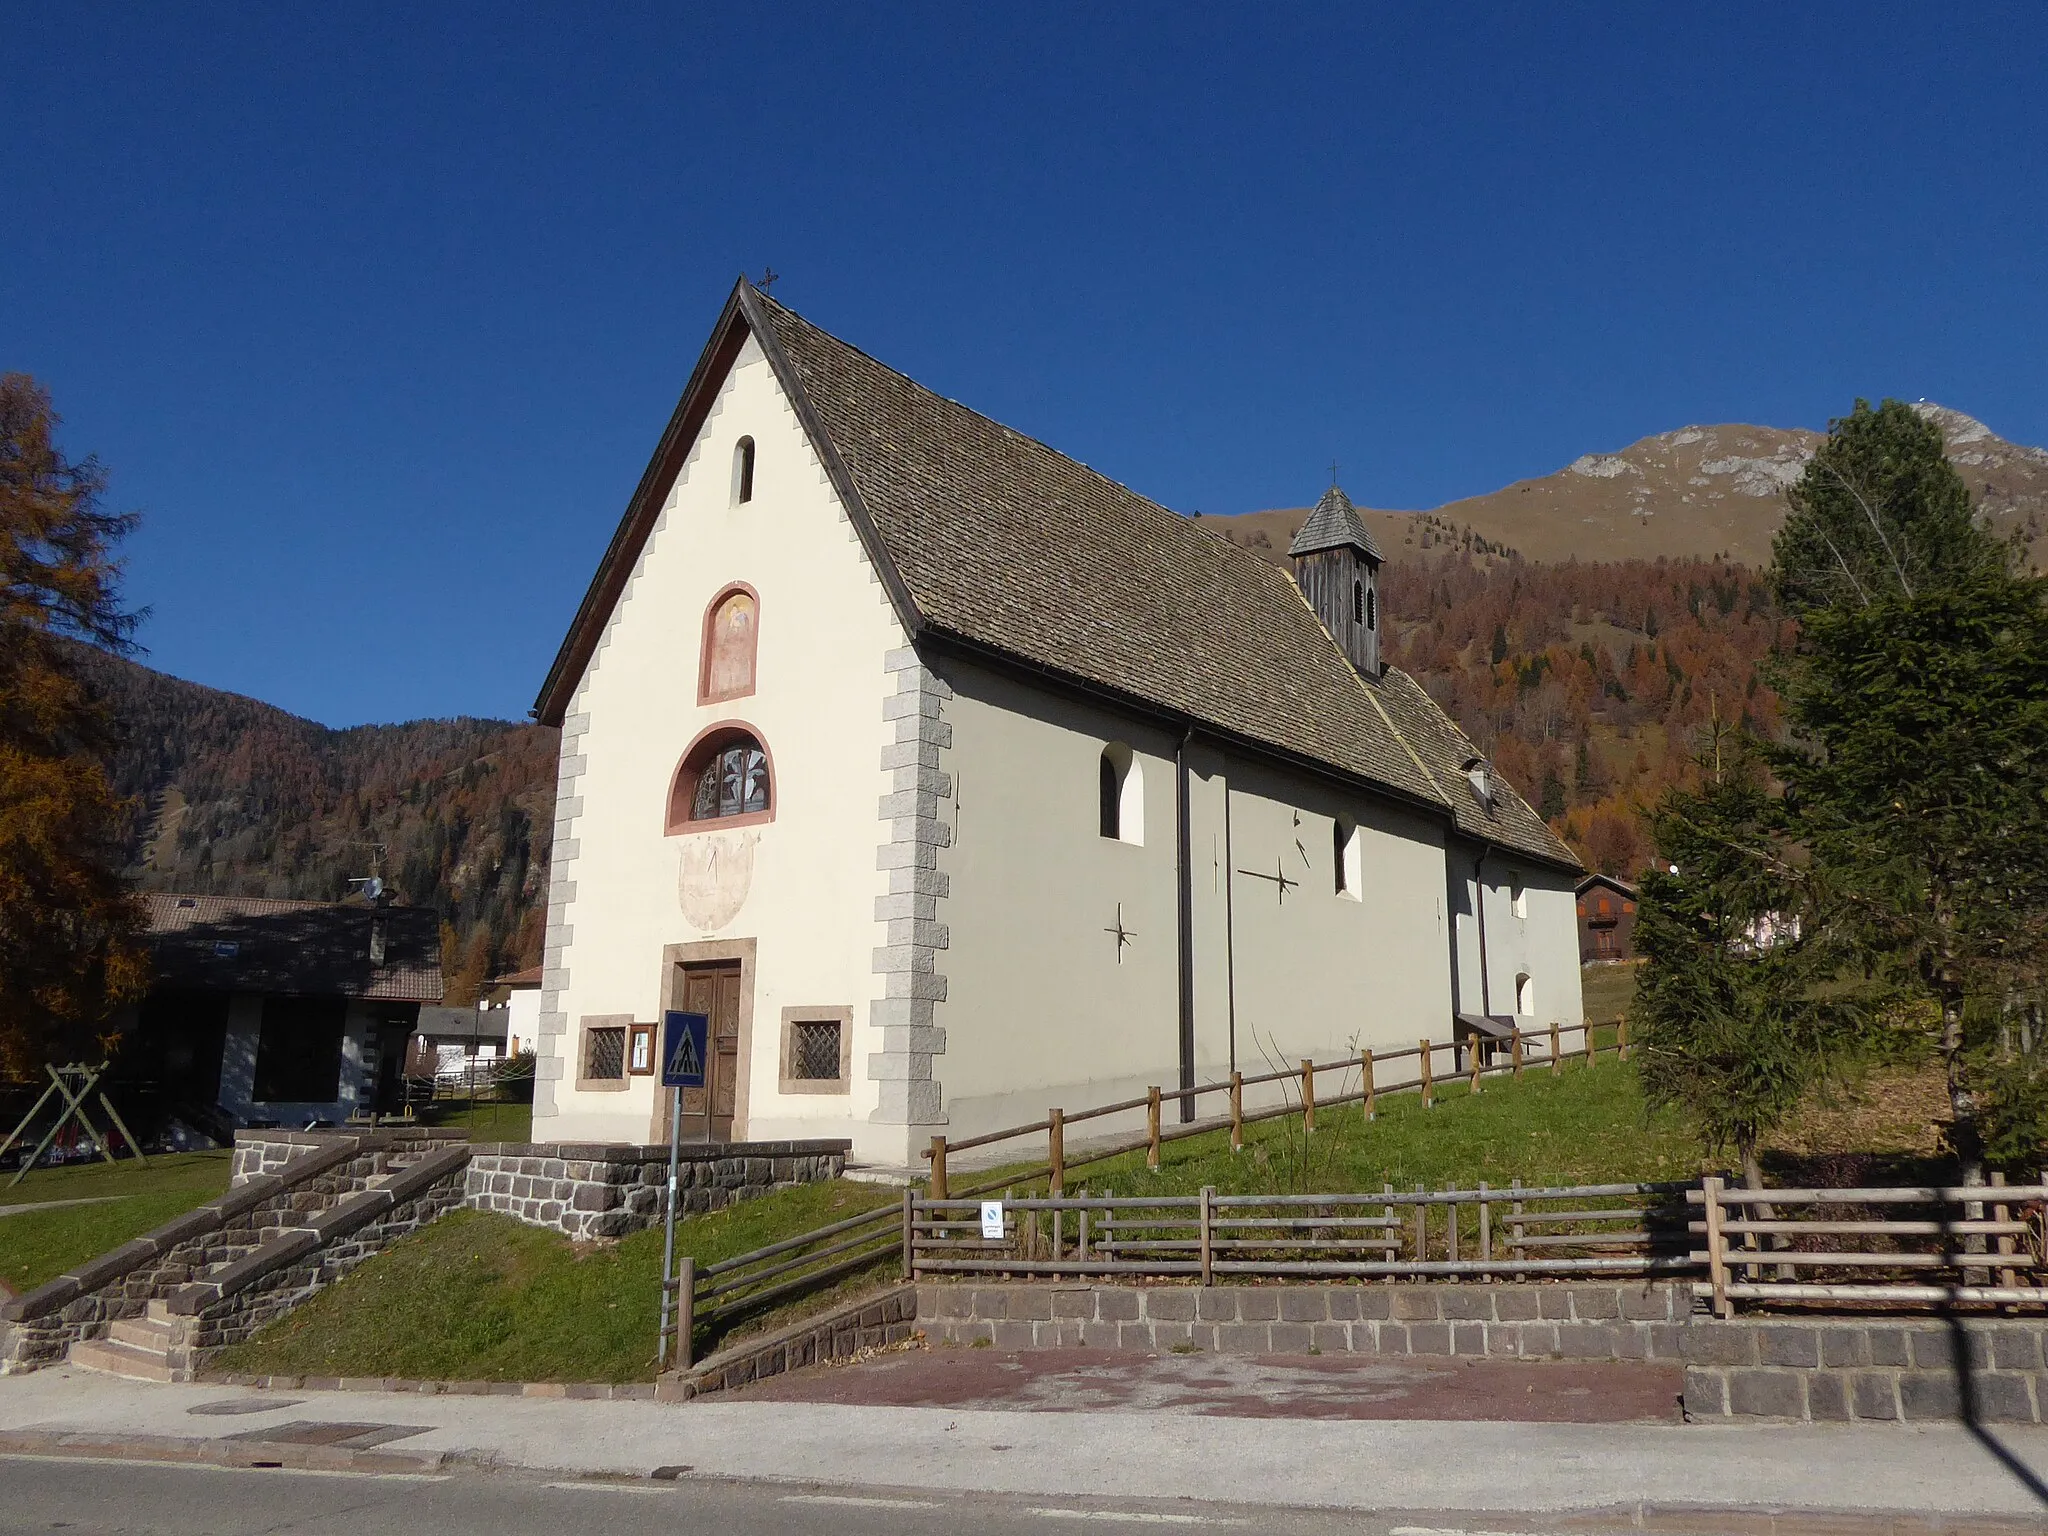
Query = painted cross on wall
x=1123 y=935
x=1282 y=881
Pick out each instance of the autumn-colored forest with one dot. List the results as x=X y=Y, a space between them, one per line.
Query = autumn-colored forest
x=234 y=797
x=1591 y=686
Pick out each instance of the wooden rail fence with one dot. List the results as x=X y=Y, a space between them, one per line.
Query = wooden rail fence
x=1473 y=1059
x=1511 y=1232
x=751 y=1283
x=1979 y=1244
x=1905 y=1248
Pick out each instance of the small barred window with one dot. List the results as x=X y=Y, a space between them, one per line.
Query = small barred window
x=814 y=1050
x=604 y=1053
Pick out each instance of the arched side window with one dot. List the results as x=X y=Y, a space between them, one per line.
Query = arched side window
x=743 y=472
x=732 y=627
x=1358 y=602
x=726 y=779
x=1121 y=786
x=1372 y=615
x=1525 y=994
x=1348 y=858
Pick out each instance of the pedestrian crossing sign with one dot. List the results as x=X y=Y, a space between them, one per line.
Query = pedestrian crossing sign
x=684 y=1041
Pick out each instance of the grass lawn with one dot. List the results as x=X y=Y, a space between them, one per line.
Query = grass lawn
x=481 y=1297
x=36 y=1246
x=1588 y=1125
x=486 y=1121
x=1608 y=988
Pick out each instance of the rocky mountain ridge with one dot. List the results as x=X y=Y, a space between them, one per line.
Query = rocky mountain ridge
x=1699 y=492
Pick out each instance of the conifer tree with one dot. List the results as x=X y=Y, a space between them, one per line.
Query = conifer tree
x=1918 y=697
x=68 y=951
x=1731 y=1014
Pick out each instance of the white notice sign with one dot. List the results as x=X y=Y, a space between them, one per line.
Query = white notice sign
x=992 y=1220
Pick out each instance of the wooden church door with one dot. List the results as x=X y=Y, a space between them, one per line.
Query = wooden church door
x=715 y=990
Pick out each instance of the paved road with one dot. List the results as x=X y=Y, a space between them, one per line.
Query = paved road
x=117 y=1499
x=1376 y=1471
x=108 y=1498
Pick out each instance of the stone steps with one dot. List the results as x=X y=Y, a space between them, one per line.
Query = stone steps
x=114 y=1358
x=156 y=1346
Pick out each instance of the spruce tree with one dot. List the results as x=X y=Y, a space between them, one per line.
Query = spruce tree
x=1918 y=698
x=1732 y=1015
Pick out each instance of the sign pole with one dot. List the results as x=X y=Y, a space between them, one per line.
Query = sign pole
x=668 y=1243
x=685 y=1044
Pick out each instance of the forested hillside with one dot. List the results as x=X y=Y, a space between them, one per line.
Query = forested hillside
x=234 y=796
x=1590 y=686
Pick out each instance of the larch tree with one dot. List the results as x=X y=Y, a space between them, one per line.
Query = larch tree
x=69 y=952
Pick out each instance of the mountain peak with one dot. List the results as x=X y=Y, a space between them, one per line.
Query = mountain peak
x=1693 y=492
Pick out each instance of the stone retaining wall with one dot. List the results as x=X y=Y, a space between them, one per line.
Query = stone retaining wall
x=868 y=1322
x=1832 y=1369
x=38 y=1327
x=267 y=1151
x=1633 y=1321
x=1835 y=1369
x=592 y=1190
x=233 y=1303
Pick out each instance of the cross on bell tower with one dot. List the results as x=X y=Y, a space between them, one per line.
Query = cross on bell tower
x=1337 y=567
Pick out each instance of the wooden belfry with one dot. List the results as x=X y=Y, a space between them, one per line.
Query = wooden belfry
x=62 y=1080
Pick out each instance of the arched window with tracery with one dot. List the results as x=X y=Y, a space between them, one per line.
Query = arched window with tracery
x=726 y=779
x=732 y=627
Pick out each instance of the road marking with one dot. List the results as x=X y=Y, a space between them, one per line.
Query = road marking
x=1441 y=1530
x=214 y=1466
x=602 y=1486
x=1137 y=1516
x=850 y=1501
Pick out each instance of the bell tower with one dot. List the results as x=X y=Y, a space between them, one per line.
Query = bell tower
x=1337 y=567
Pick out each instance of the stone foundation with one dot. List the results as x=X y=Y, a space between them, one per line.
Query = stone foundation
x=591 y=1191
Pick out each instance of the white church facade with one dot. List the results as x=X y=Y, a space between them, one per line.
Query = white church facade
x=954 y=780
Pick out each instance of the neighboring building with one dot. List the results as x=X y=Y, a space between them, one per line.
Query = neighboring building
x=458 y=1044
x=516 y=1000
x=954 y=780
x=1607 y=919
x=277 y=1012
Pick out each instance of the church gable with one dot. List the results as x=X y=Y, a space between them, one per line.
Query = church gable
x=986 y=539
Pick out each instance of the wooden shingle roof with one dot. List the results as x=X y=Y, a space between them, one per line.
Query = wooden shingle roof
x=992 y=540
x=1334 y=524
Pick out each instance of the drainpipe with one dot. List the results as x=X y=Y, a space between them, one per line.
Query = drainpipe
x=1185 y=903
x=1479 y=905
x=1230 y=921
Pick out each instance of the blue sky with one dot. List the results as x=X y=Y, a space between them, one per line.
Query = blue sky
x=376 y=314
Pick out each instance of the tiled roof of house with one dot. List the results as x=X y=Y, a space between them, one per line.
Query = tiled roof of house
x=1334 y=524
x=991 y=538
x=1620 y=887
x=307 y=948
